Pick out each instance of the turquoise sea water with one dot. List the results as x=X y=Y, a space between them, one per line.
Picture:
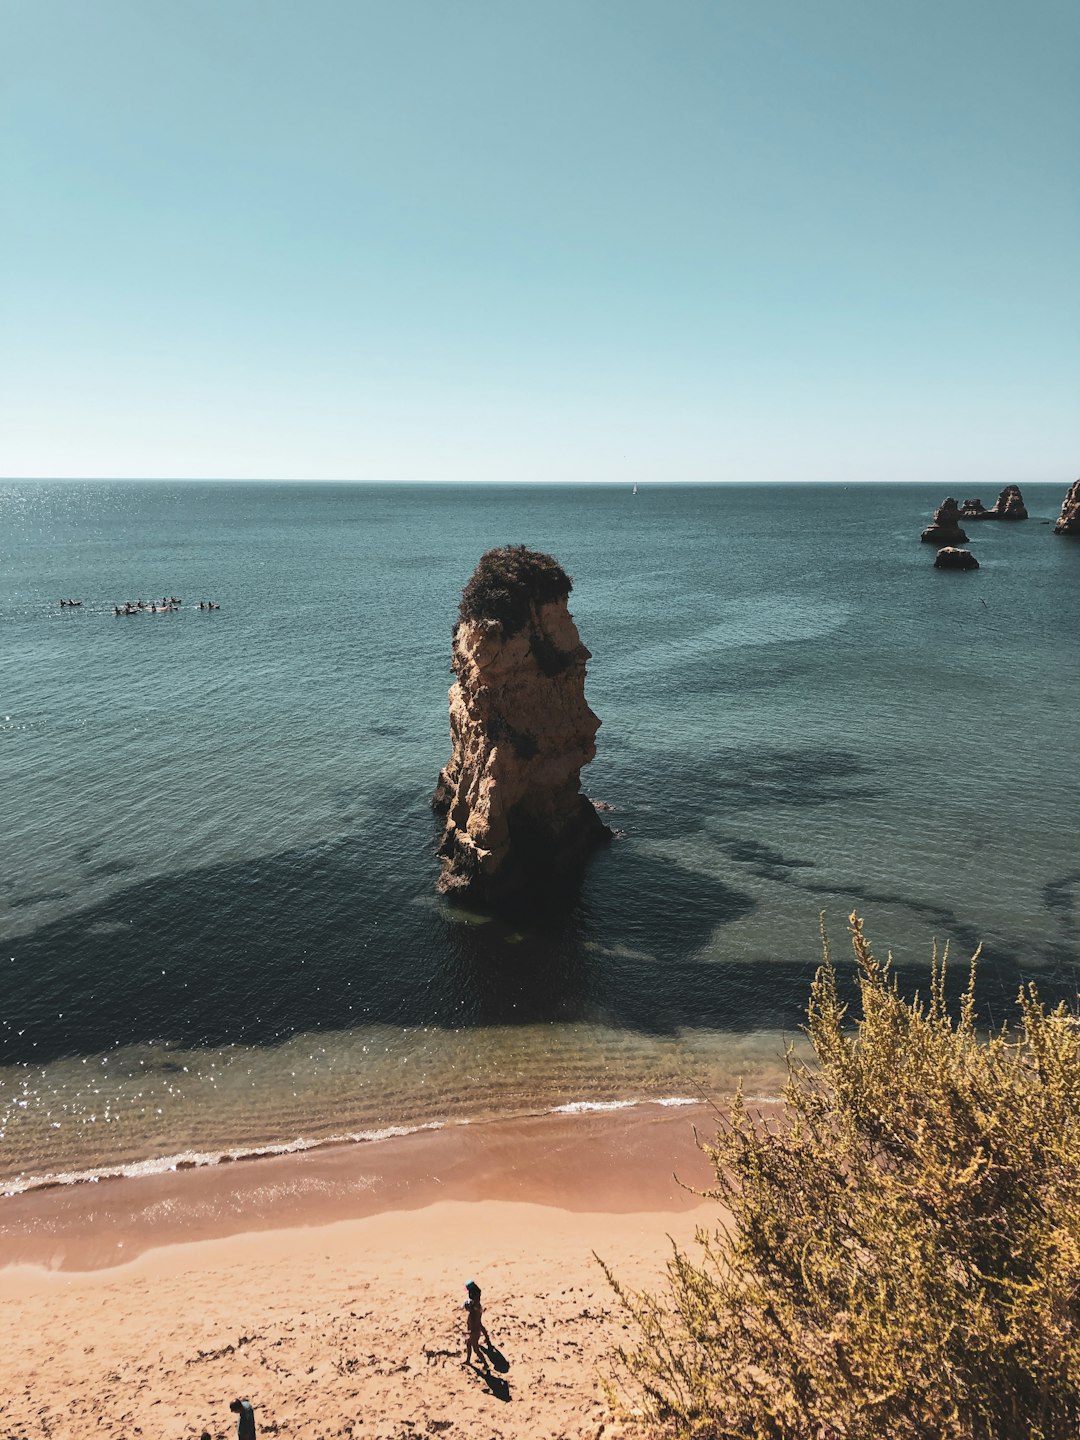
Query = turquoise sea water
x=218 y=925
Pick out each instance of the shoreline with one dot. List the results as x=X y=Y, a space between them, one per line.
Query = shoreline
x=600 y=1161
x=192 y=1159
x=155 y=1109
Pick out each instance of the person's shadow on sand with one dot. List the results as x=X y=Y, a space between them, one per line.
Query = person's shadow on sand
x=498 y=1387
x=497 y=1358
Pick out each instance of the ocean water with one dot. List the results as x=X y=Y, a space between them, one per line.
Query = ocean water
x=218 y=925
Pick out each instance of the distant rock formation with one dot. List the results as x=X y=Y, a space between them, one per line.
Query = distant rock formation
x=975 y=510
x=949 y=558
x=517 y=824
x=1009 y=505
x=1068 y=522
x=945 y=529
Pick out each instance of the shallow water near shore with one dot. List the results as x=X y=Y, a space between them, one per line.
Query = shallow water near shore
x=220 y=932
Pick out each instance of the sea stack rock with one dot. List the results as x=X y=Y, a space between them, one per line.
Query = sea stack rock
x=946 y=527
x=1009 y=505
x=517 y=824
x=949 y=558
x=1068 y=522
x=975 y=510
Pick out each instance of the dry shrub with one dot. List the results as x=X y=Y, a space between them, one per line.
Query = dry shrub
x=903 y=1258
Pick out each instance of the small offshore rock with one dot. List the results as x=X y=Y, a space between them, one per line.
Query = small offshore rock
x=945 y=529
x=949 y=558
x=975 y=510
x=1068 y=522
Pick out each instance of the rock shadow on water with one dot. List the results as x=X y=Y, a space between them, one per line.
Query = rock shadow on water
x=759 y=859
x=1006 y=961
x=1061 y=898
x=249 y=952
x=743 y=781
x=747 y=779
x=600 y=957
x=36 y=897
x=333 y=937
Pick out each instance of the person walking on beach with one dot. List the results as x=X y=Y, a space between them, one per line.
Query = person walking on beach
x=475 y=1324
x=245 y=1426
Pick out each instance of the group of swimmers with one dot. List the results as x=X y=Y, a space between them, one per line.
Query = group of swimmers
x=136 y=607
x=169 y=603
x=165 y=606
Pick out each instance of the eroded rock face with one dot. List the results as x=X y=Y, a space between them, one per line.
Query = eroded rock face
x=949 y=558
x=517 y=824
x=1068 y=522
x=1009 y=505
x=945 y=529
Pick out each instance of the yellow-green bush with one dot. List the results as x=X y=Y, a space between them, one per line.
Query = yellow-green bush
x=903 y=1255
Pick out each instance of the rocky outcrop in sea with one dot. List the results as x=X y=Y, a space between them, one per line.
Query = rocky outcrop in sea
x=949 y=558
x=975 y=510
x=1009 y=505
x=945 y=529
x=517 y=825
x=1068 y=522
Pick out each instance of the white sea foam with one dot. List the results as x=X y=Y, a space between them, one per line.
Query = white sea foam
x=580 y=1107
x=198 y=1159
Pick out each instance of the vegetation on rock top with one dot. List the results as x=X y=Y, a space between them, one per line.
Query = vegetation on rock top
x=507 y=581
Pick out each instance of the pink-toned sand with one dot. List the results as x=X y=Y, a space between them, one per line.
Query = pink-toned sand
x=328 y=1287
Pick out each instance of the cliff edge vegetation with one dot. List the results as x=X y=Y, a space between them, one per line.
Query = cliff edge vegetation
x=903 y=1256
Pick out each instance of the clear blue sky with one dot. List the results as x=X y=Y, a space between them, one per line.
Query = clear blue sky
x=630 y=240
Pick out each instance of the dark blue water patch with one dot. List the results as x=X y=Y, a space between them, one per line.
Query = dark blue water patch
x=745 y=779
x=36 y=897
x=1061 y=898
x=1006 y=962
x=740 y=780
x=602 y=958
x=937 y=918
x=106 y=869
x=333 y=937
x=764 y=861
x=338 y=935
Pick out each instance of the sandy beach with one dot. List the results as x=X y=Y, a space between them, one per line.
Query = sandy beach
x=328 y=1287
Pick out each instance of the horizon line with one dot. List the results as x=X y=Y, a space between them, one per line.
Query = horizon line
x=463 y=484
